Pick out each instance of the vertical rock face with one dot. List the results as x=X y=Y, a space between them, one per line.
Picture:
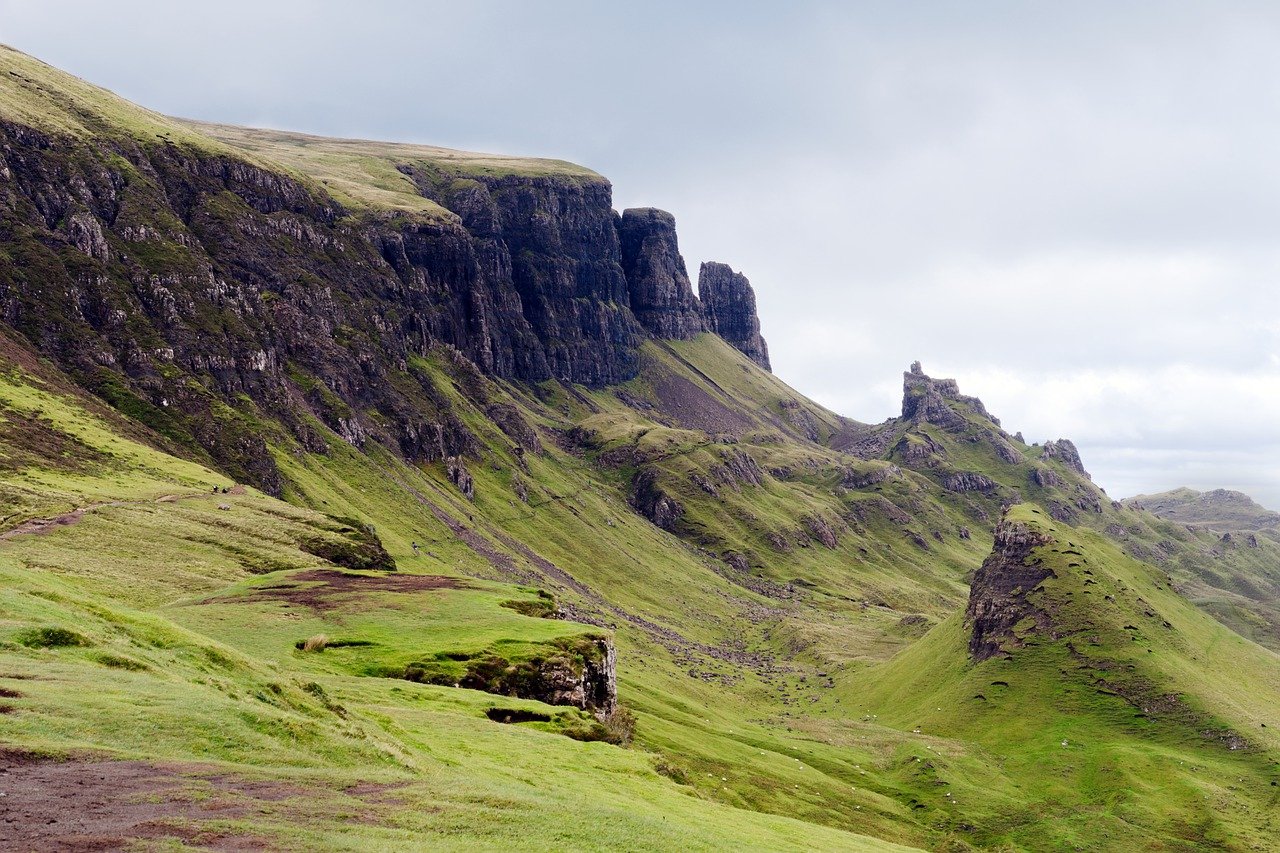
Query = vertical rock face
x=729 y=305
x=547 y=247
x=170 y=280
x=661 y=296
x=998 y=595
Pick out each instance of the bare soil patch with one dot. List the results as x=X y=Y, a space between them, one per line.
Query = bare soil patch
x=88 y=805
x=322 y=589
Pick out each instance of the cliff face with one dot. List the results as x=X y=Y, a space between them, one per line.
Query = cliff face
x=998 y=597
x=173 y=282
x=548 y=247
x=925 y=399
x=661 y=296
x=220 y=298
x=729 y=304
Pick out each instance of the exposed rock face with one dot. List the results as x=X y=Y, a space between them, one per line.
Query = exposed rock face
x=516 y=428
x=461 y=477
x=652 y=502
x=590 y=683
x=969 y=481
x=729 y=304
x=553 y=242
x=925 y=399
x=998 y=595
x=581 y=671
x=596 y=688
x=1065 y=452
x=169 y=280
x=1045 y=478
x=661 y=296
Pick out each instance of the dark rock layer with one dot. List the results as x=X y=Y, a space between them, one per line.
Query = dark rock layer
x=661 y=296
x=998 y=594
x=729 y=305
x=200 y=293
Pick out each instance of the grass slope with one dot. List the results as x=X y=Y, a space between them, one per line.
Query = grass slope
x=1113 y=729
x=141 y=631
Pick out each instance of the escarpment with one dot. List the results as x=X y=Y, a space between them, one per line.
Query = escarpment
x=661 y=296
x=208 y=295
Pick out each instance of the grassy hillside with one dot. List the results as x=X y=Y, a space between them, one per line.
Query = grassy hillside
x=760 y=690
x=1222 y=509
x=1108 y=726
x=159 y=626
x=360 y=661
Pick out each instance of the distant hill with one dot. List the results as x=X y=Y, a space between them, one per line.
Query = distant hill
x=1221 y=509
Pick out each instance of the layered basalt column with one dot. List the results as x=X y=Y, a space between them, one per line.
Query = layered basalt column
x=662 y=297
x=729 y=306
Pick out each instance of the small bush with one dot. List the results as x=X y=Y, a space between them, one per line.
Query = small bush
x=51 y=638
x=539 y=609
x=617 y=728
x=620 y=726
x=312 y=644
x=672 y=771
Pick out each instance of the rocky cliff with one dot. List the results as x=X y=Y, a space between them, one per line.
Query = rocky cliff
x=661 y=296
x=729 y=305
x=218 y=295
x=1000 y=596
x=924 y=399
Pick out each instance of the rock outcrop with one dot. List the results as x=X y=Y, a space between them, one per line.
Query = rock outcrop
x=661 y=296
x=649 y=499
x=1065 y=452
x=729 y=305
x=926 y=399
x=998 y=595
x=579 y=671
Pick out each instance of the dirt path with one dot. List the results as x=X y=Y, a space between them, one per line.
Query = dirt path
x=39 y=526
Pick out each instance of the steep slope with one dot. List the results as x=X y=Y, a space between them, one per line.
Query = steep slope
x=1088 y=681
x=155 y=621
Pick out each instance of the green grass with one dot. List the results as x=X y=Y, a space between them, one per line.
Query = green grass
x=179 y=662
x=363 y=175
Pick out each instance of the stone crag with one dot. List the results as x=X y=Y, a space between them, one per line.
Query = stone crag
x=661 y=296
x=998 y=596
x=729 y=305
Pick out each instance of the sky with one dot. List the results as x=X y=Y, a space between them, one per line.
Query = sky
x=1071 y=208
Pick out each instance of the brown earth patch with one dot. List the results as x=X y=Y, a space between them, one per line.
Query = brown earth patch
x=323 y=589
x=89 y=805
x=39 y=526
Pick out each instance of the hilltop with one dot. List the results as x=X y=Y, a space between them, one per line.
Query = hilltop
x=1221 y=509
x=359 y=494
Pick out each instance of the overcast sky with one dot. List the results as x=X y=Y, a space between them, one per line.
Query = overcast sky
x=1072 y=208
